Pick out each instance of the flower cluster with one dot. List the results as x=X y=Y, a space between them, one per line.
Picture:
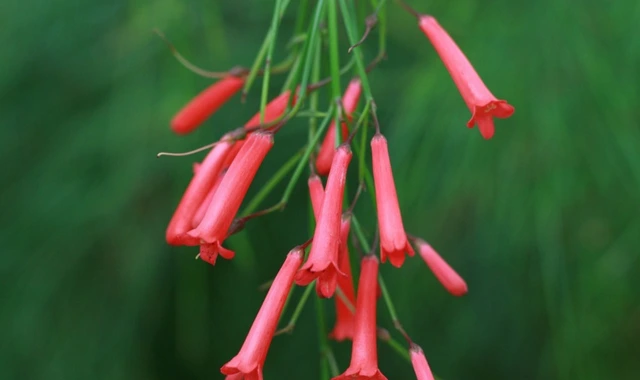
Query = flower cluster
x=208 y=212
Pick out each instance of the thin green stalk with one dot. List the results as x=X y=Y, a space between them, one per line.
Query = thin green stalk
x=355 y=226
x=303 y=5
x=352 y=32
x=381 y=11
x=262 y=53
x=313 y=48
x=305 y=158
x=334 y=55
x=298 y=310
x=267 y=67
x=314 y=98
x=388 y=302
x=399 y=348
x=271 y=184
x=322 y=332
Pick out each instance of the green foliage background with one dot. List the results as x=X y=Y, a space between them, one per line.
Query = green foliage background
x=543 y=220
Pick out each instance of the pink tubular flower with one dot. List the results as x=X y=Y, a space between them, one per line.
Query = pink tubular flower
x=443 y=272
x=197 y=217
x=205 y=104
x=344 y=313
x=481 y=102
x=196 y=193
x=316 y=191
x=393 y=238
x=364 y=354
x=228 y=197
x=420 y=365
x=323 y=256
x=250 y=360
x=327 y=149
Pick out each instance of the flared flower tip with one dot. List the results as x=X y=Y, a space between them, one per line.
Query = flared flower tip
x=484 y=114
x=209 y=252
x=448 y=277
x=357 y=374
x=419 y=362
x=205 y=104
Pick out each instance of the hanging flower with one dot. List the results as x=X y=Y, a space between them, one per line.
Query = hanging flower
x=229 y=195
x=420 y=365
x=364 y=354
x=327 y=149
x=393 y=238
x=344 y=312
x=196 y=193
x=323 y=257
x=205 y=104
x=481 y=102
x=250 y=360
x=443 y=272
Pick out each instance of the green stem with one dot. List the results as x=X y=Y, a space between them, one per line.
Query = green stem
x=305 y=158
x=322 y=332
x=399 y=348
x=352 y=32
x=381 y=12
x=334 y=55
x=298 y=310
x=267 y=67
x=355 y=226
x=388 y=302
x=271 y=184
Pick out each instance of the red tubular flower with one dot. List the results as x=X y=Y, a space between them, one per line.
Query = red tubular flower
x=344 y=314
x=323 y=257
x=228 y=197
x=364 y=354
x=481 y=102
x=196 y=193
x=316 y=191
x=393 y=238
x=205 y=104
x=420 y=365
x=250 y=360
x=327 y=149
x=443 y=272
x=197 y=217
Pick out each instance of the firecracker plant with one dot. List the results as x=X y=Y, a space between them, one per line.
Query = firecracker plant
x=210 y=209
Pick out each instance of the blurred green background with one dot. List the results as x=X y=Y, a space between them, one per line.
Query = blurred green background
x=542 y=221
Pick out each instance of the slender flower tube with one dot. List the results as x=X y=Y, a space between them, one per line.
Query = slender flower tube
x=344 y=313
x=481 y=102
x=364 y=354
x=205 y=104
x=393 y=238
x=228 y=197
x=196 y=193
x=197 y=217
x=316 y=191
x=250 y=360
x=443 y=272
x=327 y=149
x=323 y=256
x=420 y=365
